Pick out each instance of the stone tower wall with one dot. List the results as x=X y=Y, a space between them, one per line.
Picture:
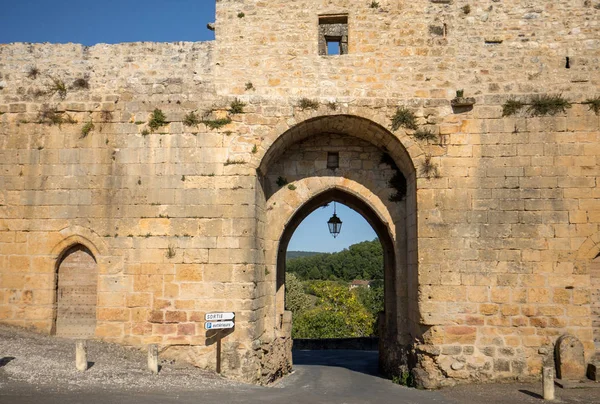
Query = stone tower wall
x=176 y=217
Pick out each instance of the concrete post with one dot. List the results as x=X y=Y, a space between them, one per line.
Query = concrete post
x=153 y=358
x=548 y=382
x=81 y=355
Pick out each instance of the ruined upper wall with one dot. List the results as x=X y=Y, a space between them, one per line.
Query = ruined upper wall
x=151 y=70
x=416 y=49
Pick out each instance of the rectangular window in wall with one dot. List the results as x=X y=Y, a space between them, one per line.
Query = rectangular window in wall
x=333 y=35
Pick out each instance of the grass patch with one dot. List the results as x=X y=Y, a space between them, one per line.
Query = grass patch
x=548 y=105
x=425 y=134
x=216 y=123
x=374 y=4
x=170 y=252
x=254 y=149
x=241 y=14
x=305 y=104
x=237 y=107
x=404 y=379
x=87 y=128
x=292 y=187
x=145 y=132
x=157 y=119
x=404 y=118
x=512 y=106
x=249 y=86
x=593 y=104
x=191 y=119
x=466 y=9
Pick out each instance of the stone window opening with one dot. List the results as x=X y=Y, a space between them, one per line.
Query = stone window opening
x=333 y=35
x=333 y=160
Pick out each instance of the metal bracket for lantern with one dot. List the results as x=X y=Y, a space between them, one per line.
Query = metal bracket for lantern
x=335 y=224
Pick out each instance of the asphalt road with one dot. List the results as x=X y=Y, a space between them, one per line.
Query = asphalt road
x=344 y=377
x=331 y=377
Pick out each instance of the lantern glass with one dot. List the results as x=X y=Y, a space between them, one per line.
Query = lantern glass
x=335 y=225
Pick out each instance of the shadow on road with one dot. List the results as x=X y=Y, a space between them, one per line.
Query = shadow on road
x=531 y=393
x=6 y=360
x=366 y=362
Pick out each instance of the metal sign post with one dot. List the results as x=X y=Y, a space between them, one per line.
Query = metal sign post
x=219 y=322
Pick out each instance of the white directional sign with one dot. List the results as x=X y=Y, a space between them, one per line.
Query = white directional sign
x=221 y=325
x=219 y=316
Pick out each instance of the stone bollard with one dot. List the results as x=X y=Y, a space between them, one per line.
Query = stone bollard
x=548 y=382
x=81 y=355
x=153 y=358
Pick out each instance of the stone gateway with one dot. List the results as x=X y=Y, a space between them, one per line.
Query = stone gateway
x=144 y=185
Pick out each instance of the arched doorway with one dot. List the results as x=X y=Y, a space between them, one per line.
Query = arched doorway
x=76 y=293
x=360 y=164
x=389 y=326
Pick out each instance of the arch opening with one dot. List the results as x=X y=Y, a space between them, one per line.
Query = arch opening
x=76 y=293
x=388 y=322
x=295 y=178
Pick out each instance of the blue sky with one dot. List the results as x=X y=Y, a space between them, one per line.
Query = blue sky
x=313 y=233
x=110 y=21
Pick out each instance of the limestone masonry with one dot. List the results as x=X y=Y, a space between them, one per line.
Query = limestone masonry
x=143 y=185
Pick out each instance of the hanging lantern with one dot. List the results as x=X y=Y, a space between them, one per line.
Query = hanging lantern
x=335 y=224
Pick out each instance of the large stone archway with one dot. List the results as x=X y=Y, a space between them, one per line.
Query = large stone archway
x=370 y=157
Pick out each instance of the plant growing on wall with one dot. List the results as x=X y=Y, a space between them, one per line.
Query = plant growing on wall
x=81 y=84
x=33 y=73
x=216 y=123
x=538 y=105
x=306 y=103
x=425 y=134
x=57 y=87
x=157 y=119
x=429 y=169
x=398 y=180
x=281 y=181
x=249 y=86
x=237 y=107
x=230 y=162
x=548 y=105
x=191 y=119
x=106 y=116
x=404 y=118
x=593 y=104
x=87 y=128
x=50 y=115
x=512 y=106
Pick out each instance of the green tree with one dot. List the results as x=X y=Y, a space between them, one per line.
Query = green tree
x=338 y=314
x=296 y=300
x=359 y=261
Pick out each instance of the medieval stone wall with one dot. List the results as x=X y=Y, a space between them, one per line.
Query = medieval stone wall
x=495 y=238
